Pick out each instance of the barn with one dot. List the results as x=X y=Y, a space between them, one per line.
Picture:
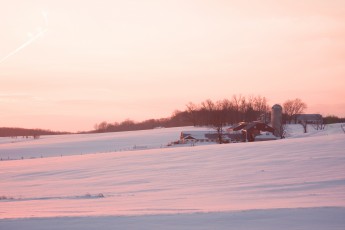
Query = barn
x=251 y=130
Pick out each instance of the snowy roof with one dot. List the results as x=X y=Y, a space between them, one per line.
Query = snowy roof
x=309 y=117
x=197 y=134
x=253 y=125
x=202 y=135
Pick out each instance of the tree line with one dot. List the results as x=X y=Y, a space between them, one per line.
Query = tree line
x=227 y=111
x=331 y=119
x=15 y=132
x=177 y=119
x=216 y=114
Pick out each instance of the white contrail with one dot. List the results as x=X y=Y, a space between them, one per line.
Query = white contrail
x=45 y=15
x=31 y=40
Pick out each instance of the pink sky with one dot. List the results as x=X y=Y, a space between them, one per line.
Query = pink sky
x=112 y=60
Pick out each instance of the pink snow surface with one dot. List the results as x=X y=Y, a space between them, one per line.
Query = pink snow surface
x=288 y=173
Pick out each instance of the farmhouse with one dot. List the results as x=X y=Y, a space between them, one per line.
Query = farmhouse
x=308 y=118
x=207 y=136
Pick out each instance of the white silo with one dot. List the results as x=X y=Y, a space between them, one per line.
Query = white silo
x=276 y=120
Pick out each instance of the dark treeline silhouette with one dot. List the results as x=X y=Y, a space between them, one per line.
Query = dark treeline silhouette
x=15 y=132
x=331 y=119
x=216 y=114
x=177 y=119
x=228 y=111
x=208 y=113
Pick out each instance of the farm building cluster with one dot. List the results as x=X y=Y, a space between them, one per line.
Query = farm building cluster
x=244 y=131
x=249 y=131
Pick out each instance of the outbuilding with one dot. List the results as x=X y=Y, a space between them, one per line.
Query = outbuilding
x=252 y=129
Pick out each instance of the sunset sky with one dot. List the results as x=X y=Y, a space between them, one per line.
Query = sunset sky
x=68 y=64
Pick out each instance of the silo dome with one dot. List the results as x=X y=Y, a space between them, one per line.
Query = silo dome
x=277 y=106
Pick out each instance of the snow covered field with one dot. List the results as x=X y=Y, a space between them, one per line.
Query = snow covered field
x=64 y=145
x=294 y=183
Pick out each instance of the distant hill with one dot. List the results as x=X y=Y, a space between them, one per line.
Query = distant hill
x=14 y=132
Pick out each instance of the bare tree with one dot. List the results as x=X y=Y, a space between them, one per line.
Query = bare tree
x=261 y=105
x=220 y=119
x=236 y=101
x=102 y=126
x=318 y=125
x=216 y=114
x=304 y=124
x=192 y=112
x=229 y=109
x=293 y=107
x=208 y=104
x=208 y=108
